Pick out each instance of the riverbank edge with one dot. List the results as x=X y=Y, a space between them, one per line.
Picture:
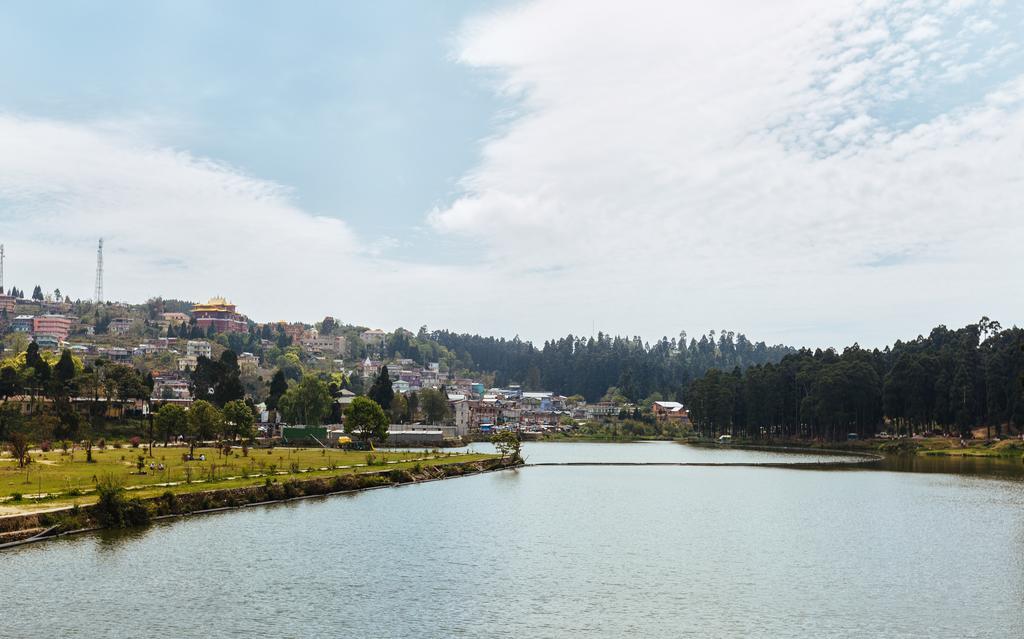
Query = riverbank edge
x=931 y=447
x=36 y=527
x=868 y=456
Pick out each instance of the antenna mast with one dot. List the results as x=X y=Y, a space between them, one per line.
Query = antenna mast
x=99 y=273
x=1 y=269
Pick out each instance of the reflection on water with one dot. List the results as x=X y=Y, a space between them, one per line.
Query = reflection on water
x=559 y=551
x=995 y=467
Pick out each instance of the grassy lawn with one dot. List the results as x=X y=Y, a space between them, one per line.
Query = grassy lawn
x=54 y=479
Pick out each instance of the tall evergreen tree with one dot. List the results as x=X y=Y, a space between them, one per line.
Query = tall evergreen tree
x=381 y=391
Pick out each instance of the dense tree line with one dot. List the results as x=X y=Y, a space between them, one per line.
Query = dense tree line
x=589 y=366
x=951 y=380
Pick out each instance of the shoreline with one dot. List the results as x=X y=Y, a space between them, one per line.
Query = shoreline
x=26 y=528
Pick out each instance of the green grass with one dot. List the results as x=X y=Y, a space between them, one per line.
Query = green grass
x=66 y=479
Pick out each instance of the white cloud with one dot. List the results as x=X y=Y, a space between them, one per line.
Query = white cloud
x=181 y=226
x=783 y=169
x=691 y=165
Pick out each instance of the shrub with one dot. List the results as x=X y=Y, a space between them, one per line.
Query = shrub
x=135 y=441
x=101 y=444
x=344 y=482
x=118 y=445
x=65 y=445
x=168 y=503
x=113 y=510
x=274 y=491
x=293 y=467
x=398 y=476
x=16 y=497
x=45 y=446
x=292 y=489
x=366 y=481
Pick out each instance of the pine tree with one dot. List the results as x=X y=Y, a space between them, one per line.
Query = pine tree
x=278 y=386
x=381 y=391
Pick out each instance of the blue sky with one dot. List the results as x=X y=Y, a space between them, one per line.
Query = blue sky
x=356 y=106
x=814 y=173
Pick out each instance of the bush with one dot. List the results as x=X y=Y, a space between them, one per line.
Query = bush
x=344 y=482
x=101 y=444
x=293 y=467
x=45 y=446
x=135 y=441
x=274 y=491
x=168 y=503
x=292 y=489
x=398 y=476
x=118 y=445
x=16 y=497
x=113 y=510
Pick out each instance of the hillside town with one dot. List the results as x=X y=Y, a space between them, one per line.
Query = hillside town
x=171 y=344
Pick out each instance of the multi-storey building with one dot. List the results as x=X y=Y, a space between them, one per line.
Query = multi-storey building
x=58 y=326
x=120 y=325
x=7 y=304
x=221 y=315
x=324 y=344
x=248 y=363
x=23 y=324
x=198 y=348
x=374 y=337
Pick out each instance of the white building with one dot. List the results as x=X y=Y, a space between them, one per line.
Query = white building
x=374 y=337
x=198 y=348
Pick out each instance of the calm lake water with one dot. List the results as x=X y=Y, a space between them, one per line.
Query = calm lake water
x=559 y=551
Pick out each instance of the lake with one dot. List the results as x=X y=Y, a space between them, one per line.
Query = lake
x=605 y=551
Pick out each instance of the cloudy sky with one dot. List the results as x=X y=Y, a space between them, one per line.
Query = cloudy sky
x=814 y=173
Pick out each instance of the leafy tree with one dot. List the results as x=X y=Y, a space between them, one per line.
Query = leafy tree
x=239 y=420
x=434 y=404
x=11 y=382
x=172 y=420
x=399 y=411
x=508 y=445
x=365 y=419
x=217 y=381
x=11 y=420
x=229 y=384
x=17 y=443
x=413 y=401
x=307 y=402
x=204 y=422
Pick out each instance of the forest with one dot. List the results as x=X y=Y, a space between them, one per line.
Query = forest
x=950 y=381
x=590 y=366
